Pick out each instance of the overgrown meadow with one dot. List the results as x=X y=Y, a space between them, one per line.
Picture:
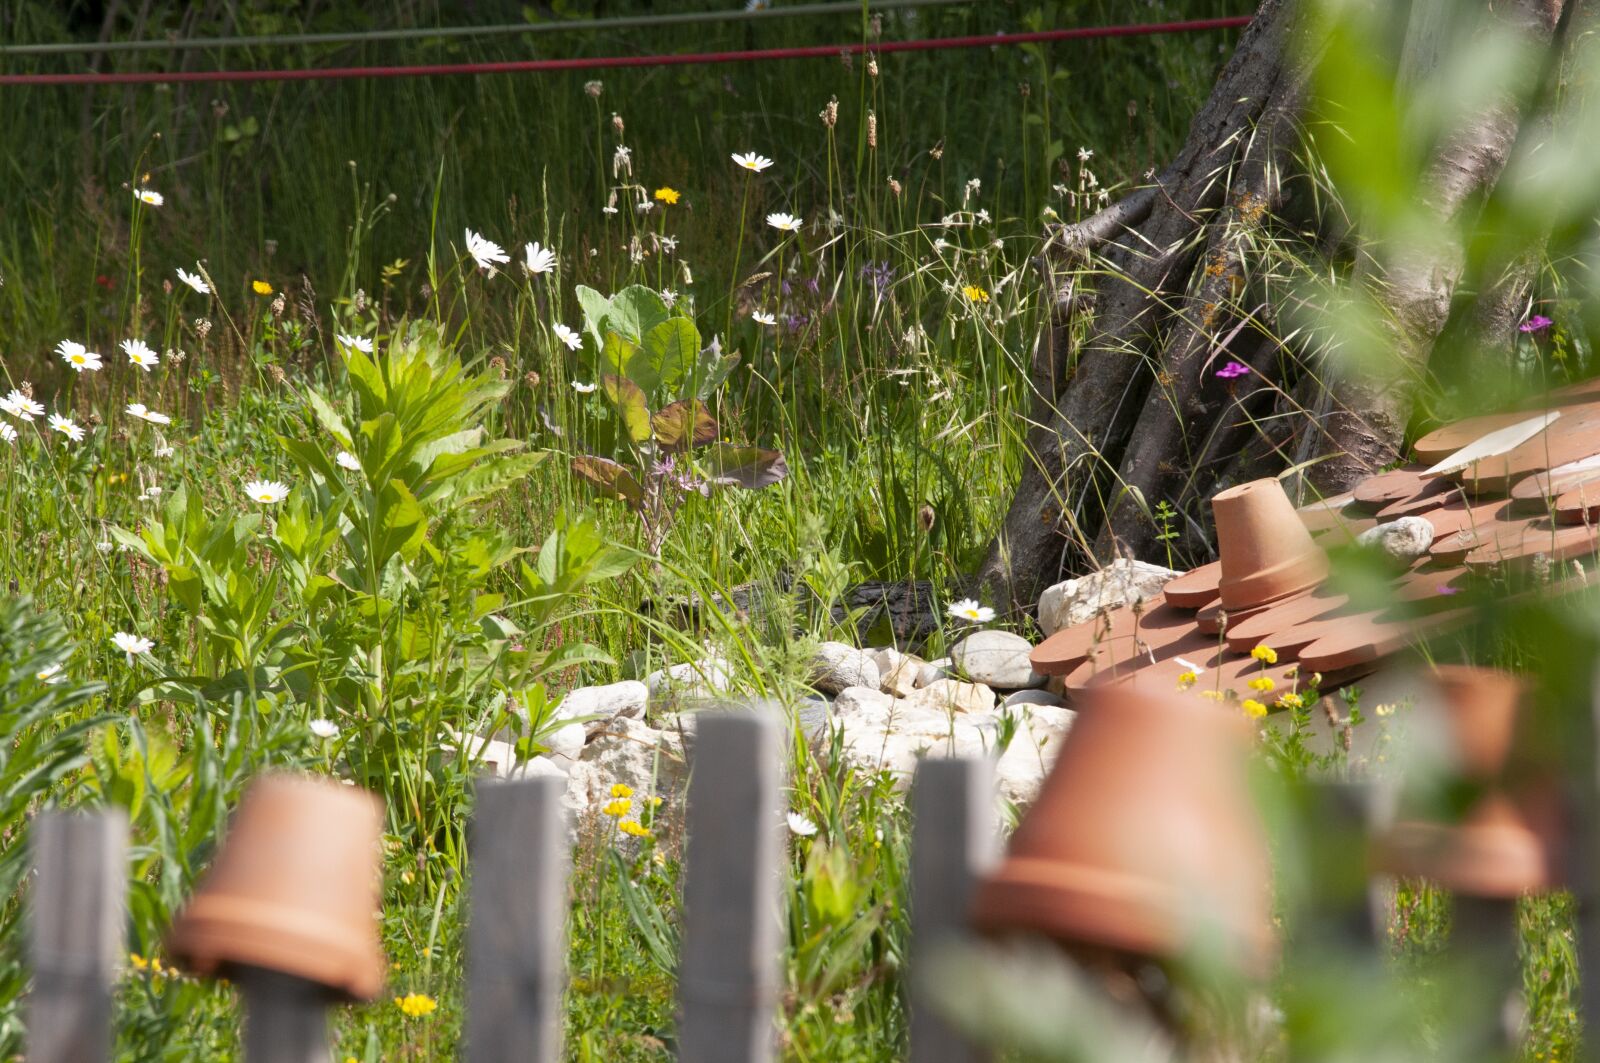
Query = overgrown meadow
x=344 y=419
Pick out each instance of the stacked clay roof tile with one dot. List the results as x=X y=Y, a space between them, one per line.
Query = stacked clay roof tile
x=1503 y=493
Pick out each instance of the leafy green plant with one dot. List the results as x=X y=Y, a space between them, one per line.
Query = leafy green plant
x=658 y=443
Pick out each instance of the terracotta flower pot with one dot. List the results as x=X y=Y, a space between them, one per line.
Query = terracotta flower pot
x=1266 y=552
x=1143 y=839
x=295 y=888
x=1504 y=845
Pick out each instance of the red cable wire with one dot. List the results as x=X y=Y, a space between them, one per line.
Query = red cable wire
x=820 y=51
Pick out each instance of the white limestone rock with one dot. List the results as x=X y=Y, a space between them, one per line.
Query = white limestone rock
x=1123 y=582
x=704 y=678
x=627 y=698
x=1405 y=539
x=952 y=695
x=838 y=665
x=996 y=659
x=933 y=671
x=1033 y=698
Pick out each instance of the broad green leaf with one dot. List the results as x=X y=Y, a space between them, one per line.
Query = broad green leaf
x=401 y=523
x=671 y=350
x=596 y=308
x=680 y=425
x=713 y=368
x=635 y=311
x=630 y=405
x=327 y=416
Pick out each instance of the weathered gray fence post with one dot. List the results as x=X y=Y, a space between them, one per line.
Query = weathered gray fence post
x=954 y=840
x=729 y=971
x=285 y=1018
x=76 y=940
x=516 y=931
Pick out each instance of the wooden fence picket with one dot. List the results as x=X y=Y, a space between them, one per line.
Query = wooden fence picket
x=516 y=930
x=954 y=839
x=728 y=977
x=78 y=899
x=285 y=1018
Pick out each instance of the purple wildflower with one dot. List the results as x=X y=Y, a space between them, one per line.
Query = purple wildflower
x=1233 y=369
x=1536 y=323
x=879 y=274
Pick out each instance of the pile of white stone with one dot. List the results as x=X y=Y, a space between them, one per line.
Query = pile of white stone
x=892 y=708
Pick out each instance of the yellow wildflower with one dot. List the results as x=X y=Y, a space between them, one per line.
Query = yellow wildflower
x=621 y=789
x=261 y=287
x=1211 y=695
x=1187 y=680
x=1291 y=701
x=1253 y=708
x=1384 y=710
x=1265 y=654
x=633 y=827
x=975 y=294
x=138 y=961
x=1262 y=683
x=618 y=807
x=669 y=196
x=416 y=1005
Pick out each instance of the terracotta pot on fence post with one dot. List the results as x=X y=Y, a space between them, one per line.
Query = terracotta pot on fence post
x=295 y=889
x=1503 y=846
x=1265 y=550
x=1144 y=841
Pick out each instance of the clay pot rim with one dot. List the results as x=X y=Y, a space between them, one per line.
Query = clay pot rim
x=1288 y=578
x=1474 y=859
x=275 y=937
x=1108 y=908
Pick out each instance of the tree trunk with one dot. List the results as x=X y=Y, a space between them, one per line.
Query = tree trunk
x=1136 y=416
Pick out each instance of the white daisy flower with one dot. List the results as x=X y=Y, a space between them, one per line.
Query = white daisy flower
x=19 y=405
x=145 y=413
x=7 y=433
x=131 y=644
x=194 y=280
x=751 y=161
x=324 y=729
x=78 y=356
x=67 y=427
x=582 y=389
x=539 y=259
x=346 y=460
x=140 y=354
x=486 y=253
x=970 y=611
x=801 y=826
x=149 y=197
x=50 y=675
x=784 y=222
x=267 y=492
x=761 y=317
x=567 y=336
x=355 y=343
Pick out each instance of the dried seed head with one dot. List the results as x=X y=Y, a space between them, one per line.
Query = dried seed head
x=894 y=186
x=498 y=364
x=26 y=387
x=276 y=373
x=594 y=88
x=361 y=300
x=202 y=327
x=830 y=113
x=872 y=129
x=872 y=66
x=175 y=355
x=937 y=151
x=925 y=517
x=1025 y=89
x=278 y=303
x=616 y=123
x=531 y=379
x=271 y=247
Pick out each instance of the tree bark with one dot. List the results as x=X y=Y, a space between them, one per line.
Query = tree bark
x=1135 y=415
x=1054 y=514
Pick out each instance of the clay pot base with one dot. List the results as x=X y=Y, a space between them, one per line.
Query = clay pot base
x=1265 y=551
x=1112 y=635
x=1518 y=546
